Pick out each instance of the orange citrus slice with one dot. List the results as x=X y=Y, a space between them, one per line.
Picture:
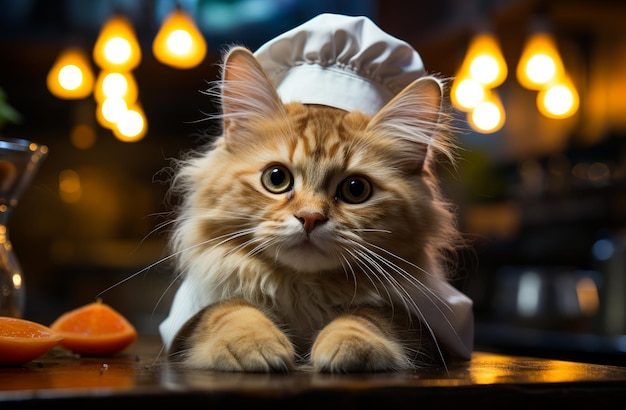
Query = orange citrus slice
x=95 y=329
x=22 y=340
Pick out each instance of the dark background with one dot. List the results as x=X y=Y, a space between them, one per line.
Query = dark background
x=536 y=198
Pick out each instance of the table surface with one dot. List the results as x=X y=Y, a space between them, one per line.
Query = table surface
x=140 y=375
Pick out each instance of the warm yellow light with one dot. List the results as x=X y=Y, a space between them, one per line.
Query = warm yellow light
x=541 y=68
x=110 y=111
x=484 y=61
x=488 y=116
x=558 y=100
x=17 y=280
x=588 y=297
x=70 y=189
x=540 y=62
x=466 y=93
x=179 y=43
x=131 y=126
x=83 y=136
x=116 y=48
x=70 y=76
x=116 y=84
x=113 y=109
x=484 y=69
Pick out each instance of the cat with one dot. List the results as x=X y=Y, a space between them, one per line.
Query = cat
x=313 y=236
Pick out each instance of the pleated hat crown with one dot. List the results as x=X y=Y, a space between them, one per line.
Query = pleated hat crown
x=340 y=61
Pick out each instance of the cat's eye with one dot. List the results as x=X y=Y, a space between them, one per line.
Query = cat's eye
x=277 y=179
x=354 y=190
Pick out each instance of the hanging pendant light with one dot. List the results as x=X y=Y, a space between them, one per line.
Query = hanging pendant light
x=466 y=93
x=131 y=125
x=116 y=84
x=484 y=61
x=540 y=62
x=559 y=99
x=488 y=116
x=71 y=76
x=116 y=48
x=482 y=69
x=110 y=110
x=179 y=43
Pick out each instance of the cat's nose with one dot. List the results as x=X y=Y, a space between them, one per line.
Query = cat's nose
x=310 y=220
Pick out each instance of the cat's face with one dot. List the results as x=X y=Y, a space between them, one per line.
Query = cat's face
x=314 y=188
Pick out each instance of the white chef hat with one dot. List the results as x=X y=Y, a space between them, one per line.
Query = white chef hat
x=340 y=61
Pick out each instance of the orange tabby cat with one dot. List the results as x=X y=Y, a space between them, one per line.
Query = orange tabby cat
x=313 y=235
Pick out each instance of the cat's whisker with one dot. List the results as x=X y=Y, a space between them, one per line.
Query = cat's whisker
x=399 y=290
x=417 y=283
x=425 y=290
x=162 y=260
x=147 y=268
x=260 y=246
x=371 y=230
x=224 y=213
x=396 y=268
x=343 y=259
x=380 y=258
x=401 y=259
x=156 y=229
x=402 y=293
x=169 y=286
x=364 y=261
x=233 y=235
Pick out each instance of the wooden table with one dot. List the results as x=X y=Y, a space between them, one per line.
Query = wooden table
x=139 y=377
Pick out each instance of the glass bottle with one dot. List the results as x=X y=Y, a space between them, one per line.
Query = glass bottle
x=19 y=161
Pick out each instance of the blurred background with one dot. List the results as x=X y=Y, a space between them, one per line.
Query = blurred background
x=540 y=186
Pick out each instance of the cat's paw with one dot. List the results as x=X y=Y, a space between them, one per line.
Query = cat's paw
x=355 y=344
x=239 y=339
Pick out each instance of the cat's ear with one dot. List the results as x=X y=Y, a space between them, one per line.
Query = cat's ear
x=412 y=117
x=247 y=94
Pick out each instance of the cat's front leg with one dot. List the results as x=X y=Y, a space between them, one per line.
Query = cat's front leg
x=236 y=336
x=359 y=341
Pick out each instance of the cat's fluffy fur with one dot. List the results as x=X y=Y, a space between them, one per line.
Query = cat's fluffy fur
x=315 y=275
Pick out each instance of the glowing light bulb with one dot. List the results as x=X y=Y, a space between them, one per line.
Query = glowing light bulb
x=179 y=43
x=131 y=126
x=110 y=111
x=540 y=62
x=467 y=93
x=488 y=116
x=117 y=48
x=17 y=280
x=116 y=84
x=484 y=69
x=484 y=61
x=540 y=69
x=558 y=100
x=70 y=76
